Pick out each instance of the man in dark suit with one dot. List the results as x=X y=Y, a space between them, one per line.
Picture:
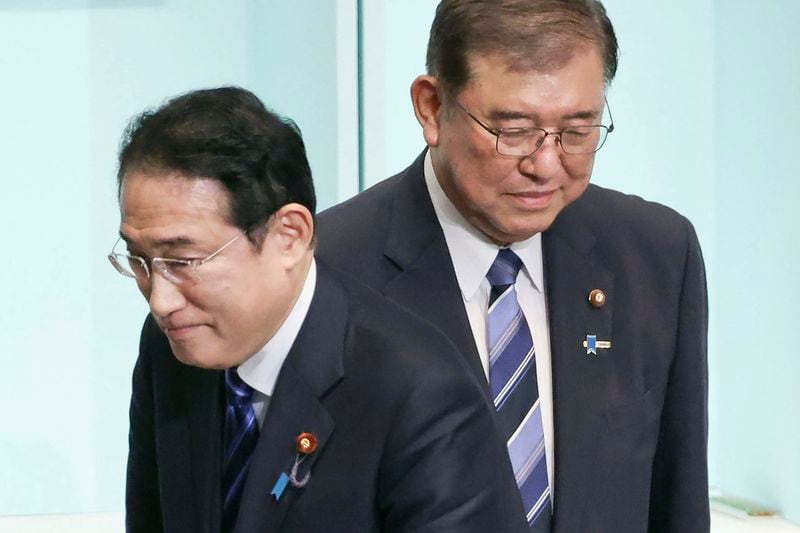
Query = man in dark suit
x=268 y=395
x=586 y=307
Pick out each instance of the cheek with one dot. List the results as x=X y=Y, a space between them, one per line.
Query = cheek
x=578 y=174
x=577 y=168
x=473 y=188
x=216 y=304
x=477 y=174
x=468 y=148
x=492 y=180
x=144 y=289
x=484 y=171
x=248 y=300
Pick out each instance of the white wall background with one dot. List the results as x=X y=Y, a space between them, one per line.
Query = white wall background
x=756 y=225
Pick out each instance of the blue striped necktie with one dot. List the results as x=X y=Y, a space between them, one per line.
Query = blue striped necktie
x=512 y=376
x=241 y=435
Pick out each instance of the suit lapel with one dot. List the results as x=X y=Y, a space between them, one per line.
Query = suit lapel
x=572 y=271
x=294 y=409
x=313 y=366
x=426 y=283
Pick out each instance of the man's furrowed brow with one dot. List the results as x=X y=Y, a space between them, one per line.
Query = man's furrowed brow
x=508 y=114
x=175 y=241
x=180 y=240
x=583 y=115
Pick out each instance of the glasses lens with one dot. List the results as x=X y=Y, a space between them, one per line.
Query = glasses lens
x=177 y=271
x=519 y=143
x=129 y=265
x=583 y=139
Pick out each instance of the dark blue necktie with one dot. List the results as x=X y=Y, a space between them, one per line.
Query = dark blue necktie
x=241 y=435
x=512 y=377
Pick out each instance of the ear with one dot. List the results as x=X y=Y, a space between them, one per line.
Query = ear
x=290 y=233
x=427 y=106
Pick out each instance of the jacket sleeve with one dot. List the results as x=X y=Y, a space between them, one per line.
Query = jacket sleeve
x=679 y=490
x=142 y=502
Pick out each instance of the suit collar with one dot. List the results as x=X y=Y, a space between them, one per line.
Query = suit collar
x=314 y=365
x=471 y=251
x=426 y=283
x=261 y=370
x=317 y=353
x=412 y=225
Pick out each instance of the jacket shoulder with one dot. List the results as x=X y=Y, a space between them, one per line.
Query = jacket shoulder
x=402 y=341
x=353 y=236
x=359 y=215
x=616 y=217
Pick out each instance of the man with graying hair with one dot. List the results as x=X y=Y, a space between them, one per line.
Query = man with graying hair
x=582 y=309
x=270 y=394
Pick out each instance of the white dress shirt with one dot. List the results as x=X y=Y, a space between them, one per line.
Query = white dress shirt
x=472 y=254
x=261 y=370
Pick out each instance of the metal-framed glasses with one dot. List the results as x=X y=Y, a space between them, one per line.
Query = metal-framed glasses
x=523 y=142
x=177 y=271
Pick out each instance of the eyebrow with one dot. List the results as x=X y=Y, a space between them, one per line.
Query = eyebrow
x=504 y=114
x=172 y=241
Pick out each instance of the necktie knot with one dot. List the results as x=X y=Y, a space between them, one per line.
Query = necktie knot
x=505 y=268
x=238 y=392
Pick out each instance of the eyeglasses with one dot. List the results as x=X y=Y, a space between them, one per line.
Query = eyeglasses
x=523 y=142
x=177 y=271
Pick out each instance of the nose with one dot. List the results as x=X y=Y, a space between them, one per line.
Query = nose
x=163 y=296
x=544 y=163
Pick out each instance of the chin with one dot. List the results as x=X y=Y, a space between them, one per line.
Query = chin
x=199 y=359
x=541 y=222
x=524 y=231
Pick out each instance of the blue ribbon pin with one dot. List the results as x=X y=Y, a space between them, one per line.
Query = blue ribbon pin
x=591 y=344
x=280 y=486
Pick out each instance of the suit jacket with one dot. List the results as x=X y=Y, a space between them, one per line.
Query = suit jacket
x=401 y=426
x=630 y=423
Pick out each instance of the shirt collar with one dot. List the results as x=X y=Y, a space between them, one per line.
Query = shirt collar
x=471 y=251
x=261 y=370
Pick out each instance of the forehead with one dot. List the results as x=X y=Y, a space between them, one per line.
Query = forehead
x=159 y=205
x=576 y=83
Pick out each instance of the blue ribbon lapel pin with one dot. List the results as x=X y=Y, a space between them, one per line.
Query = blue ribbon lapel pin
x=592 y=345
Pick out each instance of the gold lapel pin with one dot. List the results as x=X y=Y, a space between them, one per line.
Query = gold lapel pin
x=597 y=298
x=306 y=443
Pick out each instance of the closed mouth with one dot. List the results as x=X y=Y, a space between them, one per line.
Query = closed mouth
x=180 y=331
x=535 y=200
x=534 y=194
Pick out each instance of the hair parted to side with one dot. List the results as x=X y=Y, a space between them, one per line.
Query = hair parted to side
x=228 y=135
x=531 y=34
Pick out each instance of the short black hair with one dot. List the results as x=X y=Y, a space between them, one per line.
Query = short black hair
x=537 y=34
x=226 y=134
